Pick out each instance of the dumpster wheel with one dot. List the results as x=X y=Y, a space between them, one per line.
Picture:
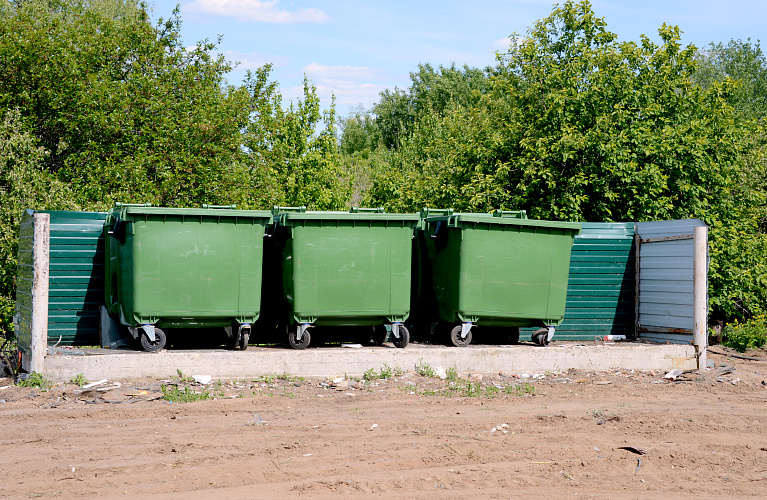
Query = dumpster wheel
x=404 y=337
x=244 y=338
x=157 y=344
x=295 y=343
x=455 y=337
x=541 y=336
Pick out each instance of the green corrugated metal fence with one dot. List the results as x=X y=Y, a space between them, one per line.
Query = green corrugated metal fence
x=600 y=290
x=600 y=294
x=76 y=284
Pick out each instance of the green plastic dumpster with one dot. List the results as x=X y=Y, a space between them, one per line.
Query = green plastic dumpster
x=345 y=269
x=179 y=267
x=498 y=269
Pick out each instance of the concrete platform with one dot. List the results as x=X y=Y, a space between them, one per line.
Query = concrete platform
x=95 y=364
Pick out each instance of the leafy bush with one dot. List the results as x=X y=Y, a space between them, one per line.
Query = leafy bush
x=750 y=334
x=37 y=380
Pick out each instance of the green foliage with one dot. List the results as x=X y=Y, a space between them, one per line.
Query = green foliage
x=750 y=334
x=433 y=91
x=519 y=389
x=359 y=133
x=36 y=380
x=574 y=124
x=99 y=104
x=173 y=394
x=745 y=64
x=452 y=374
x=425 y=369
x=24 y=183
x=79 y=380
x=386 y=373
x=292 y=164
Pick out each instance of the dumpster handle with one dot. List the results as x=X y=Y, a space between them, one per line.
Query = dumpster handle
x=230 y=207
x=355 y=210
x=425 y=212
x=518 y=214
x=277 y=209
x=119 y=204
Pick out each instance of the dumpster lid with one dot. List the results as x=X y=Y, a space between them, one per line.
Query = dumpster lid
x=197 y=212
x=458 y=219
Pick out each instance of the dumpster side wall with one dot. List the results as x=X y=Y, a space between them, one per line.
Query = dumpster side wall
x=338 y=269
x=192 y=268
x=500 y=274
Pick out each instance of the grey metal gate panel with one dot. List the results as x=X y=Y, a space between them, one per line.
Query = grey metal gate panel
x=600 y=288
x=76 y=277
x=665 y=292
x=22 y=317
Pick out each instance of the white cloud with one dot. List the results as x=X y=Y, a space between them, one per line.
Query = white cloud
x=501 y=44
x=257 y=10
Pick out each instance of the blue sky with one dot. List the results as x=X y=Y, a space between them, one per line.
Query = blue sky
x=355 y=49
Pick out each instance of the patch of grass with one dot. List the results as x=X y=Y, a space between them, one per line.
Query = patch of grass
x=36 y=380
x=173 y=394
x=519 y=389
x=79 y=380
x=750 y=334
x=451 y=374
x=183 y=378
x=424 y=369
x=288 y=378
x=387 y=372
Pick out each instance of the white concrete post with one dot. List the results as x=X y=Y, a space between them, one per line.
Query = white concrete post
x=700 y=293
x=39 y=326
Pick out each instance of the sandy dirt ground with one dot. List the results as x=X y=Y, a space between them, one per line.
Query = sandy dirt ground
x=576 y=434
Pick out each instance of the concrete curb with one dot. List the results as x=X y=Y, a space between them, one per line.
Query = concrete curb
x=335 y=361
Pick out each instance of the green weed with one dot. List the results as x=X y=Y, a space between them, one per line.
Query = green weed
x=519 y=389
x=37 y=380
x=173 y=394
x=424 y=369
x=751 y=334
x=79 y=380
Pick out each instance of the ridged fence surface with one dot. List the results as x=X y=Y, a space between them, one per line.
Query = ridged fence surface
x=600 y=289
x=76 y=277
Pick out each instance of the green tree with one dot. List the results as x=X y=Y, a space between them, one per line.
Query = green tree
x=24 y=183
x=126 y=111
x=359 y=133
x=432 y=91
x=294 y=163
x=743 y=62
x=578 y=125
